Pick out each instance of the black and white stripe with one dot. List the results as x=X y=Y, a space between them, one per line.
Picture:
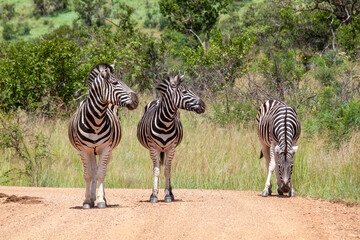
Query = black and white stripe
x=160 y=129
x=95 y=128
x=279 y=129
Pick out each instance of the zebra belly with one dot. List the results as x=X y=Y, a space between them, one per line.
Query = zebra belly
x=164 y=146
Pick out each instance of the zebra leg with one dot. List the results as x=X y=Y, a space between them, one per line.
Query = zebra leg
x=93 y=181
x=278 y=181
x=104 y=160
x=88 y=161
x=292 y=191
x=155 y=157
x=169 y=157
x=270 y=165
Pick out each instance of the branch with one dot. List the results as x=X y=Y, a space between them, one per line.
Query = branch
x=201 y=42
x=112 y=22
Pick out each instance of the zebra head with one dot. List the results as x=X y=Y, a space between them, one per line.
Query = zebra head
x=108 y=87
x=181 y=96
x=116 y=92
x=285 y=166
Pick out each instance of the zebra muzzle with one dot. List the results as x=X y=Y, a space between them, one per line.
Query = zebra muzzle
x=200 y=107
x=134 y=101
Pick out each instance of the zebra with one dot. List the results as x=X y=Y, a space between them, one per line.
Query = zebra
x=95 y=129
x=160 y=129
x=278 y=129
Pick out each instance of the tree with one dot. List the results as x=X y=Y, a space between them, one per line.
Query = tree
x=89 y=9
x=193 y=17
x=338 y=13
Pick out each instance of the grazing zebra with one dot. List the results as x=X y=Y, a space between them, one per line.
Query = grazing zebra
x=95 y=128
x=278 y=128
x=160 y=129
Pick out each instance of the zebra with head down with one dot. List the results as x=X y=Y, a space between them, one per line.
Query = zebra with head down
x=95 y=128
x=160 y=129
x=278 y=129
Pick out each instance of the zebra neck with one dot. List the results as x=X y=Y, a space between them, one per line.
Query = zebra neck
x=286 y=137
x=96 y=111
x=167 y=110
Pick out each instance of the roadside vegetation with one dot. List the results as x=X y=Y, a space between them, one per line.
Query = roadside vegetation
x=235 y=54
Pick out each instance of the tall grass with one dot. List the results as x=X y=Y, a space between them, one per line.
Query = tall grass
x=210 y=157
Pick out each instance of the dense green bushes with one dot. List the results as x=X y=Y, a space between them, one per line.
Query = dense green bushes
x=273 y=49
x=34 y=72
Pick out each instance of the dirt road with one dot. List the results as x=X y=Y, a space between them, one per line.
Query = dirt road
x=55 y=213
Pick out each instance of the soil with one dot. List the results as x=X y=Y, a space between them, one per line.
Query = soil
x=56 y=213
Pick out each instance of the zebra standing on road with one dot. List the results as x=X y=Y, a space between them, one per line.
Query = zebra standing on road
x=95 y=128
x=278 y=128
x=160 y=129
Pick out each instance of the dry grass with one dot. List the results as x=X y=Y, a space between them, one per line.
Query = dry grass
x=210 y=157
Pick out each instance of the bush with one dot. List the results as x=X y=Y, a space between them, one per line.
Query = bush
x=23 y=29
x=34 y=70
x=331 y=116
x=31 y=149
x=9 y=31
x=7 y=12
x=234 y=111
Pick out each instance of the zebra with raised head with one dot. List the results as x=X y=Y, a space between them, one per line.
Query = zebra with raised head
x=160 y=129
x=279 y=129
x=95 y=127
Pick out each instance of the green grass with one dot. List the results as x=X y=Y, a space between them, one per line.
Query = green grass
x=210 y=157
x=40 y=26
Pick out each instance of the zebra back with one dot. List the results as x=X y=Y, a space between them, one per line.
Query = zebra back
x=276 y=121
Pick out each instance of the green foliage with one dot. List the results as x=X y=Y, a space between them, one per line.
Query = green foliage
x=234 y=111
x=23 y=29
x=47 y=7
x=349 y=37
x=31 y=149
x=91 y=10
x=331 y=116
x=218 y=65
x=7 y=12
x=199 y=16
x=32 y=71
x=9 y=31
x=124 y=13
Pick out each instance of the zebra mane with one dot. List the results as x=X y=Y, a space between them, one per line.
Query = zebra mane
x=95 y=71
x=172 y=78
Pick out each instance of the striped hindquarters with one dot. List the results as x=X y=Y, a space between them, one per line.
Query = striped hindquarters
x=278 y=122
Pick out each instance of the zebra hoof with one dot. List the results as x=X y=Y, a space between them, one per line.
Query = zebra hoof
x=153 y=199
x=101 y=205
x=169 y=198
x=280 y=192
x=87 y=205
x=292 y=194
x=264 y=194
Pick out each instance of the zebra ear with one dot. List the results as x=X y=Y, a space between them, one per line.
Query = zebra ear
x=294 y=150
x=181 y=78
x=175 y=80
x=277 y=149
x=113 y=65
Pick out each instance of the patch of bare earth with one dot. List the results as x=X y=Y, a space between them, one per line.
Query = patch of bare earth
x=56 y=213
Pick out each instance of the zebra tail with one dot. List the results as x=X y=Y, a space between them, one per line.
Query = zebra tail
x=162 y=156
x=261 y=154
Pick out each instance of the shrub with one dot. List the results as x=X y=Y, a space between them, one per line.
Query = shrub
x=32 y=150
x=9 y=31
